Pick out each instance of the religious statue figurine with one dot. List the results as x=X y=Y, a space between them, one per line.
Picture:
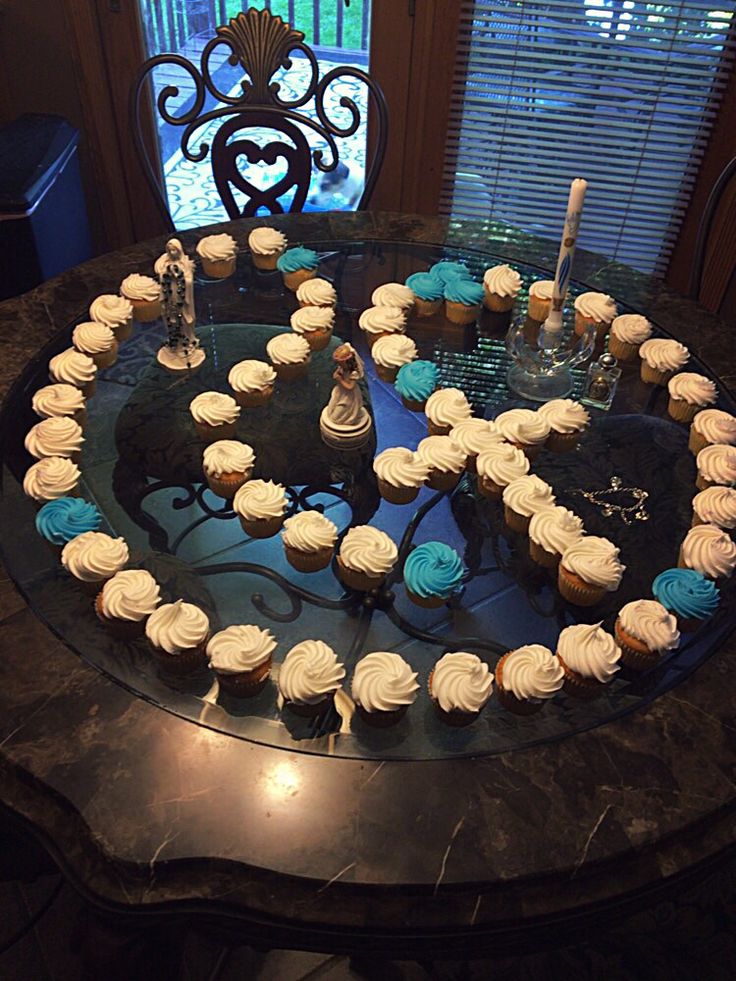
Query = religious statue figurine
x=345 y=422
x=182 y=352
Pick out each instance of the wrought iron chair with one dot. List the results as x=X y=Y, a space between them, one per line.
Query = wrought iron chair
x=261 y=44
x=713 y=268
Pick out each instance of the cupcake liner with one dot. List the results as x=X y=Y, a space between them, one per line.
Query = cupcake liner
x=396 y=495
x=577 y=685
x=122 y=332
x=251 y=400
x=104 y=359
x=652 y=376
x=702 y=483
x=622 y=350
x=426 y=308
x=245 y=684
x=290 y=372
x=293 y=280
x=91 y=587
x=381 y=720
x=574 y=590
x=490 y=489
x=387 y=373
x=538 y=308
x=471 y=463
x=192 y=661
x=443 y=480
x=308 y=561
x=354 y=579
x=530 y=450
x=262 y=527
x=548 y=560
x=211 y=434
x=496 y=302
x=145 y=311
x=127 y=630
x=428 y=602
x=226 y=484
x=461 y=313
x=696 y=441
x=634 y=653
x=689 y=624
x=697 y=520
x=317 y=339
x=322 y=306
x=266 y=262
x=682 y=411
x=435 y=429
x=305 y=710
x=413 y=405
x=516 y=522
x=562 y=442
x=217 y=268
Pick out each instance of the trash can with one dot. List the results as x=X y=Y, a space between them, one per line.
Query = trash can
x=43 y=218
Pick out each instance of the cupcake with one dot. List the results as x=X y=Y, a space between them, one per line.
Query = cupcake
x=660 y=359
x=383 y=688
x=377 y=322
x=297 y=265
x=309 y=678
x=527 y=677
x=715 y=506
x=93 y=557
x=446 y=408
x=60 y=401
x=709 y=550
x=217 y=254
x=64 y=518
x=433 y=573
x=252 y=382
x=96 y=341
x=391 y=352
x=445 y=460
x=463 y=300
x=60 y=436
x=594 y=310
x=628 y=333
x=309 y=541
x=497 y=467
x=429 y=293
x=688 y=595
x=394 y=295
x=315 y=325
x=215 y=415
x=473 y=436
x=52 y=477
x=289 y=354
x=241 y=658
x=446 y=271
x=567 y=420
x=551 y=532
x=711 y=426
x=716 y=466
x=227 y=464
x=144 y=293
x=72 y=368
x=526 y=429
x=523 y=498
x=126 y=601
x=115 y=312
x=645 y=630
x=501 y=285
x=460 y=684
x=316 y=293
x=366 y=557
x=177 y=633
x=589 y=658
x=540 y=299
x=260 y=505
x=689 y=393
x=400 y=473
x=266 y=247
x=415 y=382
x=588 y=570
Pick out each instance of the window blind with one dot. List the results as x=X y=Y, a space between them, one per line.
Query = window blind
x=619 y=92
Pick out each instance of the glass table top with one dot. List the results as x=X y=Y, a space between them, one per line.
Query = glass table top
x=141 y=465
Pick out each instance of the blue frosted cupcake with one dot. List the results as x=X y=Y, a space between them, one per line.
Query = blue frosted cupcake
x=446 y=270
x=297 y=266
x=415 y=382
x=429 y=292
x=463 y=300
x=688 y=594
x=64 y=518
x=432 y=573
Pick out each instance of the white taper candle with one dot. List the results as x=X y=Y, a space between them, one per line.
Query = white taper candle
x=578 y=188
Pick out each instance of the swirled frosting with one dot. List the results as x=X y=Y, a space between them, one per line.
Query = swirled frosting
x=417 y=380
x=542 y=288
x=502 y=280
x=465 y=291
x=589 y=651
x=58 y=436
x=394 y=350
x=461 y=682
x=447 y=407
x=692 y=388
x=384 y=682
x=473 y=436
x=139 y=287
x=716 y=426
x=717 y=463
x=433 y=569
x=306 y=320
x=266 y=241
x=310 y=672
x=217 y=248
x=523 y=426
x=316 y=292
x=132 y=594
x=631 y=328
x=716 y=506
x=64 y=518
x=369 y=550
x=663 y=354
x=652 y=624
x=242 y=647
x=383 y=320
x=502 y=463
x=177 y=627
x=565 y=415
x=72 y=367
x=260 y=499
x=111 y=310
x=228 y=456
x=93 y=338
x=214 y=408
x=446 y=270
x=93 y=556
x=442 y=453
x=686 y=593
x=598 y=307
x=251 y=376
x=287 y=349
x=555 y=529
x=309 y=531
x=297 y=258
x=54 y=476
x=532 y=673
x=527 y=495
x=401 y=467
x=709 y=549
x=393 y=295
x=426 y=286
x=595 y=560
x=58 y=400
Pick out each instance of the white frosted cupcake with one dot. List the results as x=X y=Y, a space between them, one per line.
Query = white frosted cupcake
x=377 y=322
x=144 y=293
x=594 y=310
x=115 y=312
x=645 y=630
x=445 y=409
x=314 y=324
x=241 y=657
x=473 y=436
x=289 y=354
x=589 y=656
x=401 y=473
x=460 y=684
x=524 y=428
x=177 y=633
x=708 y=550
x=551 y=532
x=523 y=498
x=628 y=333
x=501 y=285
x=383 y=688
x=60 y=401
x=266 y=246
x=309 y=678
x=497 y=467
x=528 y=677
x=59 y=436
x=227 y=465
x=94 y=557
x=393 y=295
x=716 y=466
x=316 y=292
x=588 y=570
x=252 y=382
x=711 y=426
x=567 y=420
x=260 y=505
x=445 y=459
x=689 y=393
x=715 y=506
x=52 y=477
x=366 y=557
x=70 y=367
x=309 y=541
x=660 y=359
x=217 y=254
x=98 y=342
x=126 y=601
x=540 y=299
x=215 y=415
x=390 y=353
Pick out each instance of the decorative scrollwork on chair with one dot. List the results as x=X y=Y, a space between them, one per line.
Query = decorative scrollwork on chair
x=261 y=44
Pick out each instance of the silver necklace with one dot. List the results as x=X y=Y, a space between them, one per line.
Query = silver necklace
x=606 y=500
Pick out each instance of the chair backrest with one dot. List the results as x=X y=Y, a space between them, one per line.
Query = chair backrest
x=713 y=271
x=261 y=44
